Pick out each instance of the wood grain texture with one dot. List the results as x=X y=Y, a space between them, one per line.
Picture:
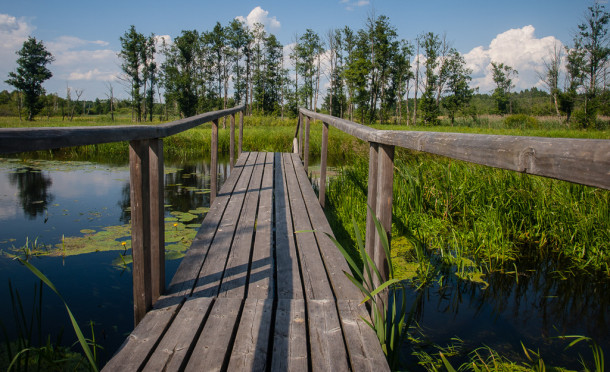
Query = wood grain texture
x=323 y=164
x=14 y=140
x=313 y=274
x=176 y=342
x=250 y=351
x=139 y=185
x=290 y=337
x=287 y=265
x=157 y=218
x=142 y=340
x=328 y=352
x=334 y=262
x=262 y=268
x=212 y=351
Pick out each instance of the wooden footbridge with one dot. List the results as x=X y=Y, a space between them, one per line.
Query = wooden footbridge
x=258 y=290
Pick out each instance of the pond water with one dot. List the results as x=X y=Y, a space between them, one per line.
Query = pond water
x=86 y=205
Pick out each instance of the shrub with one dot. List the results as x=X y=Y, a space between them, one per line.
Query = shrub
x=521 y=121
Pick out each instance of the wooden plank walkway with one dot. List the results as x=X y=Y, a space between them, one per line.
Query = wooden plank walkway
x=253 y=295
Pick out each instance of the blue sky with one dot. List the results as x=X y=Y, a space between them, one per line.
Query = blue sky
x=84 y=35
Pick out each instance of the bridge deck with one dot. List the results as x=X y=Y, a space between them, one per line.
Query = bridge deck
x=253 y=295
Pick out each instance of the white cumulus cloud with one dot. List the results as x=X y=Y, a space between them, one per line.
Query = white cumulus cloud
x=351 y=5
x=259 y=15
x=518 y=48
x=13 y=32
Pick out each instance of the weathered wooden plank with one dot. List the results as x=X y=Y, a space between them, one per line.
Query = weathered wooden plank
x=306 y=146
x=13 y=140
x=371 y=199
x=334 y=262
x=157 y=218
x=214 y=162
x=314 y=277
x=232 y=141
x=213 y=348
x=325 y=337
x=323 y=161
x=238 y=259
x=211 y=274
x=252 y=341
x=290 y=337
x=261 y=282
x=181 y=335
x=241 y=133
x=383 y=207
x=289 y=277
x=184 y=280
x=140 y=343
x=363 y=347
x=139 y=182
x=357 y=130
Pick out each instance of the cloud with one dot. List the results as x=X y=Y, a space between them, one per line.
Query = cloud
x=259 y=15
x=13 y=32
x=351 y=5
x=518 y=48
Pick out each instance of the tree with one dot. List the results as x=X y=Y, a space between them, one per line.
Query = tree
x=550 y=75
x=428 y=105
x=457 y=85
x=591 y=43
x=503 y=77
x=31 y=72
x=132 y=47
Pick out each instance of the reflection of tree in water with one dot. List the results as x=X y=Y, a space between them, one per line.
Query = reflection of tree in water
x=541 y=292
x=33 y=187
x=183 y=189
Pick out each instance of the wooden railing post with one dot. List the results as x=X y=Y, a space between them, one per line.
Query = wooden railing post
x=371 y=199
x=306 y=145
x=295 y=141
x=214 y=161
x=241 y=133
x=301 y=135
x=323 y=156
x=140 y=227
x=383 y=205
x=232 y=141
x=157 y=218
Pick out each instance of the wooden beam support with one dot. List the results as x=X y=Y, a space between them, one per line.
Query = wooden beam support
x=323 y=161
x=371 y=199
x=157 y=218
x=306 y=146
x=140 y=227
x=301 y=135
x=232 y=142
x=214 y=162
x=241 y=133
x=383 y=207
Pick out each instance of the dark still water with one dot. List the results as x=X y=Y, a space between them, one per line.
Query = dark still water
x=88 y=205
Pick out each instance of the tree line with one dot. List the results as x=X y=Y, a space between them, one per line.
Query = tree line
x=369 y=75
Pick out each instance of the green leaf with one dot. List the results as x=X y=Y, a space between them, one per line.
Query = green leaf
x=380 y=288
x=79 y=333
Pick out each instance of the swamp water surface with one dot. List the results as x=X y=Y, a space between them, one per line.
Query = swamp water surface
x=86 y=205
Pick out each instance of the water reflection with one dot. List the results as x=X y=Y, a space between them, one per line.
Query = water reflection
x=534 y=306
x=33 y=186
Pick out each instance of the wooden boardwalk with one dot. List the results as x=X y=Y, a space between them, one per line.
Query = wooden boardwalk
x=251 y=294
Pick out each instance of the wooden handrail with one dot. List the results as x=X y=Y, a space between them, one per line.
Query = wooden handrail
x=15 y=140
x=583 y=161
x=145 y=179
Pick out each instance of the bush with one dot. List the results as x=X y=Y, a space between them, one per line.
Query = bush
x=521 y=121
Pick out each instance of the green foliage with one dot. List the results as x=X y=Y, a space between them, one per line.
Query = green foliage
x=521 y=121
x=31 y=72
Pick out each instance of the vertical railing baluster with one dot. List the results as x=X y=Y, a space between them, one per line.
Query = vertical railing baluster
x=157 y=218
x=323 y=157
x=140 y=226
x=383 y=207
x=214 y=161
x=232 y=141
x=306 y=145
x=371 y=199
x=241 y=133
x=301 y=135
